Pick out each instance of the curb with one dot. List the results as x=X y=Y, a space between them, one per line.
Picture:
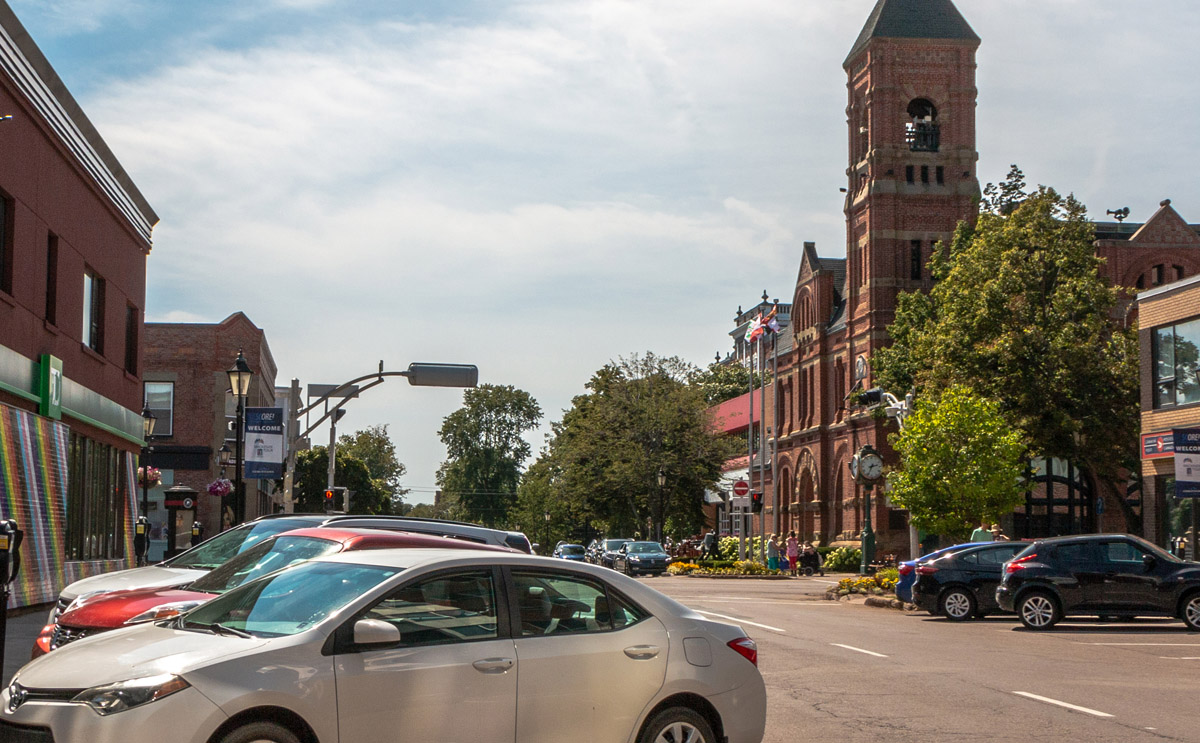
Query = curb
x=740 y=577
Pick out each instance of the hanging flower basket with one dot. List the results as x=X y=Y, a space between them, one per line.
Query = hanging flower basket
x=220 y=487
x=148 y=477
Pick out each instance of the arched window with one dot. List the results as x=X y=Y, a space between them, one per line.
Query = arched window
x=921 y=129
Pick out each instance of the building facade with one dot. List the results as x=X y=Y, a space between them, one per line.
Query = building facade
x=187 y=389
x=75 y=234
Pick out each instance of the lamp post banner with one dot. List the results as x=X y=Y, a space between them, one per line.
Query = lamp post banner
x=1187 y=462
x=263 y=443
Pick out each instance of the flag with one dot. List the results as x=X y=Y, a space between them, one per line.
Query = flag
x=755 y=329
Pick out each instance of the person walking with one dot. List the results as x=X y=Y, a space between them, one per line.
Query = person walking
x=793 y=552
x=982 y=533
x=772 y=553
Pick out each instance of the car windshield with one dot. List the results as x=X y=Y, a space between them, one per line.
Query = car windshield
x=615 y=544
x=262 y=558
x=289 y=601
x=220 y=548
x=1158 y=552
x=641 y=547
x=571 y=549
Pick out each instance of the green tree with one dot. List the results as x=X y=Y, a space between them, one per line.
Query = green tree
x=640 y=416
x=1021 y=314
x=375 y=449
x=726 y=381
x=961 y=462
x=485 y=450
x=348 y=472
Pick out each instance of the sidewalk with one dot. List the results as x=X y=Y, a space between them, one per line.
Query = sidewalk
x=23 y=627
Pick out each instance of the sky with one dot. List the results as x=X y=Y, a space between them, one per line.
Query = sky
x=540 y=187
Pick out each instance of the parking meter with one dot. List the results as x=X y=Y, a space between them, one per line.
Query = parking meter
x=141 y=539
x=197 y=533
x=10 y=567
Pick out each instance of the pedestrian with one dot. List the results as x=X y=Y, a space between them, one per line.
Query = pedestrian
x=982 y=533
x=997 y=534
x=810 y=560
x=709 y=546
x=772 y=553
x=793 y=552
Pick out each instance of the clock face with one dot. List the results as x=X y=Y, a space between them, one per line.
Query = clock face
x=871 y=467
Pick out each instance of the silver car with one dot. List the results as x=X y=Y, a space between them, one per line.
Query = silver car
x=427 y=645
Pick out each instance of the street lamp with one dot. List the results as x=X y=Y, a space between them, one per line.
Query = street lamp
x=239 y=384
x=148 y=420
x=224 y=458
x=658 y=527
x=546 y=516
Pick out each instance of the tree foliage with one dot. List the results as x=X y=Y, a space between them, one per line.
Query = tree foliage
x=349 y=472
x=639 y=416
x=961 y=463
x=375 y=449
x=726 y=381
x=1021 y=313
x=485 y=450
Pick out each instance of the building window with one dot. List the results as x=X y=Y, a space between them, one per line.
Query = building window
x=52 y=278
x=921 y=132
x=1157 y=275
x=915 y=262
x=93 y=311
x=160 y=401
x=6 y=249
x=96 y=497
x=924 y=174
x=941 y=175
x=1176 y=359
x=132 y=325
x=1178 y=272
x=908 y=173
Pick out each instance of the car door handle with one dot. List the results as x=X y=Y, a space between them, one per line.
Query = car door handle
x=493 y=665
x=642 y=652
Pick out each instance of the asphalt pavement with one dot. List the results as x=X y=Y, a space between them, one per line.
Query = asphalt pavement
x=21 y=629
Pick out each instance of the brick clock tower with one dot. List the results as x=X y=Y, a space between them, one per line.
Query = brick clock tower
x=911 y=115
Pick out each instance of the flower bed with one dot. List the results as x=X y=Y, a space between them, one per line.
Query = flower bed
x=880 y=584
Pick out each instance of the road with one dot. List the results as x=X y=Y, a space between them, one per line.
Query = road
x=849 y=672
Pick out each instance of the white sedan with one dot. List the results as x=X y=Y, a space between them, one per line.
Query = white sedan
x=432 y=645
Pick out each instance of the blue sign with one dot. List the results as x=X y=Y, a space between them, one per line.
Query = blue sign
x=263 y=453
x=1187 y=462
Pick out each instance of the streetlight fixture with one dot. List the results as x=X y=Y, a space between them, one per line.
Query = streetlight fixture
x=658 y=526
x=240 y=376
x=148 y=421
x=546 y=516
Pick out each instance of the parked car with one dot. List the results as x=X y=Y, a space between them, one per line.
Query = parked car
x=608 y=550
x=191 y=564
x=594 y=549
x=1099 y=575
x=961 y=584
x=107 y=611
x=633 y=558
x=908 y=570
x=566 y=551
x=343 y=646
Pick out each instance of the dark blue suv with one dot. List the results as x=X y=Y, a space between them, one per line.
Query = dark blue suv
x=1099 y=575
x=961 y=585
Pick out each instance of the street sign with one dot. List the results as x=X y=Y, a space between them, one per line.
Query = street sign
x=740 y=502
x=741 y=488
x=1187 y=462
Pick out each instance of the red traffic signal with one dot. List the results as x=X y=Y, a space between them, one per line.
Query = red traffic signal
x=328 y=496
x=756 y=501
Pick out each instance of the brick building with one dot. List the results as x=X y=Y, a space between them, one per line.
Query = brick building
x=911 y=179
x=75 y=234
x=187 y=389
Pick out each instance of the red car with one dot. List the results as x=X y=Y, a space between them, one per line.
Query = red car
x=116 y=609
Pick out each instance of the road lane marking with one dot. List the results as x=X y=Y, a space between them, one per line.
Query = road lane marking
x=735 y=600
x=858 y=650
x=1147 y=644
x=1067 y=705
x=1175 y=657
x=739 y=619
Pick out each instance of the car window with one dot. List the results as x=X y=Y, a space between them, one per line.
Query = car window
x=557 y=604
x=220 y=548
x=999 y=555
x=448 y=608
x=645 y=547
x=262 y=558
x=1073 y=554
x=1123 y=554
x=969 y=559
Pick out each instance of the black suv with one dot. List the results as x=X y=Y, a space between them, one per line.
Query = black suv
x=1099 y=575
x=961 y=585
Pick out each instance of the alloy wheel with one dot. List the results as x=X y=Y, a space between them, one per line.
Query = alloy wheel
x=957 y=606
x=680 y=732
x=1037 y=611
x=1191 y=613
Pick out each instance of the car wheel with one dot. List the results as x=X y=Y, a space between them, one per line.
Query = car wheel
x=261 y=732
x=957 y=604
x=677 y=725
x=1191 y=612
x=1038 y=611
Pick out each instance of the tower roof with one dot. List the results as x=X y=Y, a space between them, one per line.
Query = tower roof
x=913 y=19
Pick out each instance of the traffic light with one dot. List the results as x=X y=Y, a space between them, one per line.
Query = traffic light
x=756 y=499
x=329 y=501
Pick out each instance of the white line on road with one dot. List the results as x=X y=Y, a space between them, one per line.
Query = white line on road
x=738 y=619
x=1175 y=657
x=737 y=600
x=858 y=650
x=1147 y=644
x=1056 y=702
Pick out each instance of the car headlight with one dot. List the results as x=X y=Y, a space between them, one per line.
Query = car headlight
x=635 y=558
x=112 y=698
x=166 y=611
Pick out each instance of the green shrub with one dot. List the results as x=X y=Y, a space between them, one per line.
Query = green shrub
x=843 y=559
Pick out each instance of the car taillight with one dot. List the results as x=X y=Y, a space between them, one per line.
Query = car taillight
x=1019 y=564
x=746 y=648
x=905 y=568
x=926 y=570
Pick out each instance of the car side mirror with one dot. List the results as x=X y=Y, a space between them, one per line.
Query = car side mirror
x=1149 y=561
x=375 y=632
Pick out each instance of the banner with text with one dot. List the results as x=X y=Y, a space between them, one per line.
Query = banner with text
x=1187 y=462
x=263 y=452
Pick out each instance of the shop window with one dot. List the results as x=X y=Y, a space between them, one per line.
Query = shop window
x=96 y=497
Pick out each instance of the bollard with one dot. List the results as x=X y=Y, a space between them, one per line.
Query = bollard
x=10 y=566
x=141 y=539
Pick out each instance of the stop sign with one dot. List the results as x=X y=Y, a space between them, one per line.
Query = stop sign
x=741 y=488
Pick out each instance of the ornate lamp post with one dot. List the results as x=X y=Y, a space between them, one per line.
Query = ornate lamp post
x=148 y=421
x=659 y=509
x=546 y=516
x=239 y=384
x=867 y=468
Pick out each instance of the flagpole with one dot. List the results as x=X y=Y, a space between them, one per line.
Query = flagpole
x=741 y=515
x=762 y=445
x=775 y=441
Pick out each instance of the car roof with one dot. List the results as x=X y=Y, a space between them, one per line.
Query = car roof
x=381 y=538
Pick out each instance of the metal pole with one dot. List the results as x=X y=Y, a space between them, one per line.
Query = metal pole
x=762 y=460
x=293 y=426
x=741 y=514
x=332 y=451
x=239 y=497
x=777 y=515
